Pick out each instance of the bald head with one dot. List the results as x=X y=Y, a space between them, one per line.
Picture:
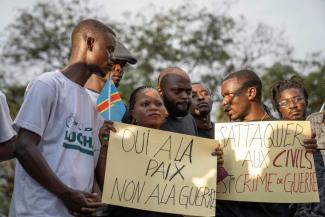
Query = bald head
x=174 y=85
x=171 y=71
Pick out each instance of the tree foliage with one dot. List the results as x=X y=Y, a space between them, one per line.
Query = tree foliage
x=206 y=42
x=311 y=70
x=39 y=38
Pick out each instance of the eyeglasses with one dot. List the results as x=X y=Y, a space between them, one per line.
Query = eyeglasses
x=237 y=92
x=286 y=102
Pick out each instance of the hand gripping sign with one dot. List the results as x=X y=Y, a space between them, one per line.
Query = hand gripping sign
x=160 y=171
x=267 y=162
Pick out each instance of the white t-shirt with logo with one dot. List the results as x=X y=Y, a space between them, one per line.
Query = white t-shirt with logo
x=6 y=131
x=93 y=96
x=62 y=113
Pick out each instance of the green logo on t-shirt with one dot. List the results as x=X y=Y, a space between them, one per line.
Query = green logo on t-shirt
x=77 y=137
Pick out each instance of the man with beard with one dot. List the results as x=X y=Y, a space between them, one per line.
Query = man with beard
x=242 y=101
x=174 y=85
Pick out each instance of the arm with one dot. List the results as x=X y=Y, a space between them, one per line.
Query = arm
x=7 y=149
x=36 y=166
x=221 y=172
x=104 y=133
x=101 y=166
x=311 y=144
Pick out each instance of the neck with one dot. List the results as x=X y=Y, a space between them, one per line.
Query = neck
x=78 y=73
x=256 y=113
x=203 y=122
x=95 y=83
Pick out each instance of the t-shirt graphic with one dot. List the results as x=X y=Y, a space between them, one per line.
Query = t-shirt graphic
x=78 y=137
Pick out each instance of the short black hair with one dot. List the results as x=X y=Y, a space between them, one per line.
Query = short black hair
x=86 y=26
x=200 y=83
x=249 y=79
x=294 y=82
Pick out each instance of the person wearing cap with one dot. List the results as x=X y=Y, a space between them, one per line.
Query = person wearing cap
x=121 y=56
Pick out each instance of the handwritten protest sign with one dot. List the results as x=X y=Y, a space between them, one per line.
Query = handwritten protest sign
x=267 y=162
x=160 y=171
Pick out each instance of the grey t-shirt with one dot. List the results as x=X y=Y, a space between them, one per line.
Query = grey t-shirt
x=185 y=125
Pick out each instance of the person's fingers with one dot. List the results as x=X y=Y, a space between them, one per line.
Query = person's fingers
x=313 y=136
x=109 y=125
x=109 y=122
x=76 y=214
x=93 y=205
x=88 y=210
x=217 y=153
x=310 y=141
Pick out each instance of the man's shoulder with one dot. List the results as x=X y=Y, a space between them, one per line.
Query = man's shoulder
x=316 y=117
x=54 y=80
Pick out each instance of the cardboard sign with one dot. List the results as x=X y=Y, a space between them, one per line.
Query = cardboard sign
x=267 y=162
x=160 y=171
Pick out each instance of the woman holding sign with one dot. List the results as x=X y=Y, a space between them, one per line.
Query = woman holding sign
x=146 y=109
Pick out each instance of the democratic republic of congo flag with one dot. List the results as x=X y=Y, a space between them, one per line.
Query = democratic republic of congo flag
x=111 y=108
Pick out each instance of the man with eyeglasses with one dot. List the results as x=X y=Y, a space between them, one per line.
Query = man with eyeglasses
x=242 y=101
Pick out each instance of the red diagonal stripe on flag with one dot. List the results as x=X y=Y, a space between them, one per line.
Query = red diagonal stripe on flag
x=104 y=105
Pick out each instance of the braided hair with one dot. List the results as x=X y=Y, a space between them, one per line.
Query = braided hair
x=279 y=86
x=133 y=98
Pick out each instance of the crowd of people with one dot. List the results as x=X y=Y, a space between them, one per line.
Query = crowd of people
x=58 y=135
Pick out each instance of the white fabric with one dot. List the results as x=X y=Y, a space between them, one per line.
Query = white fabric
x=6 y=131
x=93 y=96
x=62 y=113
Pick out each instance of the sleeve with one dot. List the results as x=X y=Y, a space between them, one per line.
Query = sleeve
x=35 y=110
x=6 y=130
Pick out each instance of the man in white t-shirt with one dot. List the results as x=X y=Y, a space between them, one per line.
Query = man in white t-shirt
x=7 y=134
x=57 y=142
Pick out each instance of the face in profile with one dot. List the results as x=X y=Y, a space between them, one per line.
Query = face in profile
x=235 y=100
x=100 y=54
x=177 y=94
x=292 y=104
x=201 y=100
x=149 y=109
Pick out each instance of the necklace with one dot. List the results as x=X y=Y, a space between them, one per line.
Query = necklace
x=265 y=117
